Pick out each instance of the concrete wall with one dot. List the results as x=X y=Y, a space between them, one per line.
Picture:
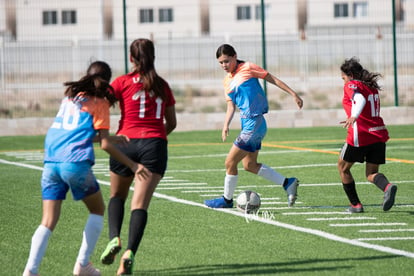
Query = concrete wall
x=214 y=121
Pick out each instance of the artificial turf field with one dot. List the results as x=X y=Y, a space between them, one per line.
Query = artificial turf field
x=315 y=237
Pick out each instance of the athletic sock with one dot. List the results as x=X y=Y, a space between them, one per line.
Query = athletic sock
x=137 y=225
x=350 y=191
x=270 y=174
x=230 y=184
x=116 y=209
x=381 y=181
x=40 y=240
x=91 y=233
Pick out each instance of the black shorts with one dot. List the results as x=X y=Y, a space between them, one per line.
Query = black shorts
x=374 y=153
x=151 y=152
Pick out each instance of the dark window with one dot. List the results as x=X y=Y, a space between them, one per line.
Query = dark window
x=165 y=15
x=68 y=17
x=146 y=16
x=243 y=13
x=341 y=10
x=49 y=17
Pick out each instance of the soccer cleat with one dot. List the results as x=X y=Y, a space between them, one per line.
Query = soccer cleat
x=87 y=270
x=113 y=247
x=389 y=197
x=127 y=263
x=28 y=273
x=358 y=208
x=291 y=189
x=218 y=203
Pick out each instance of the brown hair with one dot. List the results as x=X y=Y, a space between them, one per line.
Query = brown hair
x=143 y=55
x=351 y=67
x=94 y=83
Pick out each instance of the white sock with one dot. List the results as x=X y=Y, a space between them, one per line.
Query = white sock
x=230 y=184
x=40 y=240
x=270 y=174
x=93 y=229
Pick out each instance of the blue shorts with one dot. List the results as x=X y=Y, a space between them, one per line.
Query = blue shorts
x=252 y=133
x=57 y=178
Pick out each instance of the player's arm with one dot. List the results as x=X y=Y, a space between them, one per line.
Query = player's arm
x=275 y=81
x=231 y=108
x=170 y=119
x=106 y=145
x=358 y=104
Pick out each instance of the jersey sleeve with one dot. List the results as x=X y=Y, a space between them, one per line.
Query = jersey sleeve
x=170 y=96
x=101 y=115
x=257 y=71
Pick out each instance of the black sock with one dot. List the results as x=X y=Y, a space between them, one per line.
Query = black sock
x=228 y=200
x=116 y=209
x=351 y=192
x=381 y=181
x=137 y=224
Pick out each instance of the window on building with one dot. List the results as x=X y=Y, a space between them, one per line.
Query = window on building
x=258 y=11
x=146 y=16
x=49 y=17
x=243 y=13
x=341 y=10
x=165 y=15
x=68 y=17
x=360 y=9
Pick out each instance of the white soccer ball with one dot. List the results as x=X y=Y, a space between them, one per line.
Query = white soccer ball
x=248 y=202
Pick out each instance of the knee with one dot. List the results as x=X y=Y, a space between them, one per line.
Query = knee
x=252 y=167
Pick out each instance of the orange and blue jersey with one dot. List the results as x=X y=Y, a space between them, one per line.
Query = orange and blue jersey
x=244 y=90
x=70 y=138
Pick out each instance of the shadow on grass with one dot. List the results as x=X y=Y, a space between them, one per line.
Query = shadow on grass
x=332 y=266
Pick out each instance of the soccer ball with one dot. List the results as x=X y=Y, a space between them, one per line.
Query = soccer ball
x=248 y=202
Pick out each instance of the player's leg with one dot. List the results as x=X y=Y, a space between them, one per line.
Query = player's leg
x=348 y=184
x=83 y=185
x=40 y=238
x=91 y=233
x=53 y=192
x=121 y=178
x=154 y=156
x=120 y=186
x=233 y=158
x=375 y=157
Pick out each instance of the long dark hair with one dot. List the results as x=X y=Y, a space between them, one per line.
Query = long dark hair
x=94 y=83
x=351 y=67
x=228 y=50
x=143 y=55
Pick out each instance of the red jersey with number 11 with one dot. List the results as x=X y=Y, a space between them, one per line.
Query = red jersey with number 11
x=369 y=127
x=142 y=114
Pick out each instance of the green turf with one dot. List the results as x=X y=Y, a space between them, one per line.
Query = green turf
x=183 y=238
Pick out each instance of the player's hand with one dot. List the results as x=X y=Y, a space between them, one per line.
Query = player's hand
x=224 y=133
x=349 y=122
x=119 y=139
x=299 y=101
x=141 y=172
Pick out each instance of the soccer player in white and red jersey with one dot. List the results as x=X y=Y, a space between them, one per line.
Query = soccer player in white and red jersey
x=367 y=134
x=147 y=116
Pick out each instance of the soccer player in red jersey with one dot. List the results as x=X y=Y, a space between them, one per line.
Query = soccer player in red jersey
x=367 y=134
x=147 y=116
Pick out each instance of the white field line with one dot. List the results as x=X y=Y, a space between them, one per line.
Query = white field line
x=369 y=224
x=341 y=218
x=385 y=230
x=314 y=232
x=315 y=213
x=386 y=239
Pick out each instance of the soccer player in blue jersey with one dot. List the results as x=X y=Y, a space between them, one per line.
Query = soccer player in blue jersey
x=83 y=118
x=242 y=90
